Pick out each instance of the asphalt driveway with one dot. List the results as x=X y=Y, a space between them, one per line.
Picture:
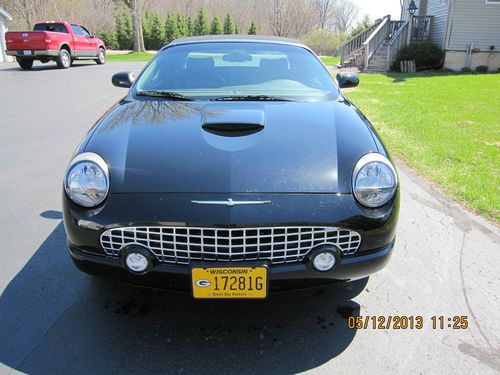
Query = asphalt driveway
x=54 y=319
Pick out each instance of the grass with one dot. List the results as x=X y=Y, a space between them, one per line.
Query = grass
x=445 y=126
x=128 y=57
x=330 y=60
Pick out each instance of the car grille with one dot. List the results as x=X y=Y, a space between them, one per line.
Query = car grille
x=184 y=244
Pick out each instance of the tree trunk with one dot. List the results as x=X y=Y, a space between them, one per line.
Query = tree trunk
x=136 y=27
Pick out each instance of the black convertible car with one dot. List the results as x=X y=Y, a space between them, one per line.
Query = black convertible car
x=233 y=167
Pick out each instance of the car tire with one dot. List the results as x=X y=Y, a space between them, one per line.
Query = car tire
x=63 y=60
x=101 y=56
x=25 y=64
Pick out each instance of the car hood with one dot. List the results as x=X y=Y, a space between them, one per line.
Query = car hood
x=231 y=147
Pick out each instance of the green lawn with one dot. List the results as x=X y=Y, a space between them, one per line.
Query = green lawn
x=128 y=57
x=445 y=126
x=330 y=60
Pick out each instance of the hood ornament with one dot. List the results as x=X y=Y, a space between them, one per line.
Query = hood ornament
x=230 y=203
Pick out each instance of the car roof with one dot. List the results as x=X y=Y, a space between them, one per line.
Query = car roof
x=238 y=38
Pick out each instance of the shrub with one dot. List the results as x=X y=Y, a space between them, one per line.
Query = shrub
x=322 y=41
x=253 y=29
x=482 y=69
x=123 y=31
x=466 y=70
x=426 y=55
x=109 y=39
x=153 y=30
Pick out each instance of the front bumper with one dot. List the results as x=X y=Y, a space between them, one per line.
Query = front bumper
x=376 y=227
x=281 y=277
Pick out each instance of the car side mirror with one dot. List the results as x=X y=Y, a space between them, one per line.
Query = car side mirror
x=347 y=80
x=92 y=35
x=123 y=79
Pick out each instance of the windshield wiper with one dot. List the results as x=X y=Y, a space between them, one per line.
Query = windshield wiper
x=264 y=98
x=164 y=94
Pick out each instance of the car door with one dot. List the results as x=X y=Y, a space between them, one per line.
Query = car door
x=91 y=42
x=81 y=42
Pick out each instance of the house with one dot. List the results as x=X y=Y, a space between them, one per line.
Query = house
x=4 y=18
x=467 y=30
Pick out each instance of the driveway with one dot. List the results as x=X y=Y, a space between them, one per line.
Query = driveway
x=54 y=319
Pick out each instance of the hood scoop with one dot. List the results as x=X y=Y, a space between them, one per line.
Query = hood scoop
x=233 y=122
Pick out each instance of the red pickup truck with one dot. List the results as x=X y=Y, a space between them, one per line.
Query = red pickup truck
x=61 y=42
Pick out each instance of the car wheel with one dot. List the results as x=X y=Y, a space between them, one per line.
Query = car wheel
x=101 y=56
x=25 y=64
x=63 y=60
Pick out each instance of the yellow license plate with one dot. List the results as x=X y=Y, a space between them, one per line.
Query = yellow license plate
x=229 y=282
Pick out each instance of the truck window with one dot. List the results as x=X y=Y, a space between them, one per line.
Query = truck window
x=78 y=30
x=53 y=27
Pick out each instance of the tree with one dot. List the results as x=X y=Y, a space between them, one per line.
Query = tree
x=153 y=30
x=345 y=14
x=182 y=26
x=361 y=25
x=228 y=25
x=30 y=10
x=123 y=27
x=189 y=26
x=109 y=39
x=278 y=18
x=236 y=28
x=253 y=29
x=324 y=12
x=215 y=27
x=200 y=26
x=137 y=34
x=171 y=28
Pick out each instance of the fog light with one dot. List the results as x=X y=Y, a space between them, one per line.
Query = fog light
x=136 y=262
x=324 y=261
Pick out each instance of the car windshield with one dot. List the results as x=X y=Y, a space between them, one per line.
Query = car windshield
x=237 y=71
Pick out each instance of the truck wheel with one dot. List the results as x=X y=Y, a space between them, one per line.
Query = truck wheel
x=63 y=60
x=101 y=56
x=25 y=64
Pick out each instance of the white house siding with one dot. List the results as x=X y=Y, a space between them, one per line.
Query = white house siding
x=438 y=9
x=474 y=21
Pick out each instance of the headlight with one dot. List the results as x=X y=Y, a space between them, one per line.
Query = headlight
x=374 y=180
x=87 y=180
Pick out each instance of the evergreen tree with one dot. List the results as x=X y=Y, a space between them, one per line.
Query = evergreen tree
x=200 y=26
x=123 y=24
x=253 y=29
x=236 y=29
x=171 y=28
x=215 y=27
x=189 y=26
x=109 y=39
x=182 y=26
x=228 y=25
x=153 y=30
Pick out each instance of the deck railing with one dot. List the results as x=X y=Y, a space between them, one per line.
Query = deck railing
x=421 y=28
x=398 y=40
x=376 y=38
x=347 y=49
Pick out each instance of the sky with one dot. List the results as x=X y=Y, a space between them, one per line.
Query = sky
x=378 y=8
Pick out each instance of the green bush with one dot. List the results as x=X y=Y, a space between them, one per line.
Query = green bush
x=153 y=30
x=426 y=55
x=123 y=28
x=482 y=69
x=109 y=39
x=466 y=70
x=322 y=41
x=253 y=29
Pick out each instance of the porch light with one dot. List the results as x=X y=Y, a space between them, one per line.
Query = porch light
x=412 y=8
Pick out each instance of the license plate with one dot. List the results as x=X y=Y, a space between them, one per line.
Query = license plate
x=229 y=282
x=26 y=52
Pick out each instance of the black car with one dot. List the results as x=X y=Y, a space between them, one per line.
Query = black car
x=233 y=167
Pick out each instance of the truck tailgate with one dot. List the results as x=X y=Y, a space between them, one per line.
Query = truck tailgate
x=28 y=40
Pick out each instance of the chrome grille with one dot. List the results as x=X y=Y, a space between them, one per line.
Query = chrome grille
x=184 y=244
